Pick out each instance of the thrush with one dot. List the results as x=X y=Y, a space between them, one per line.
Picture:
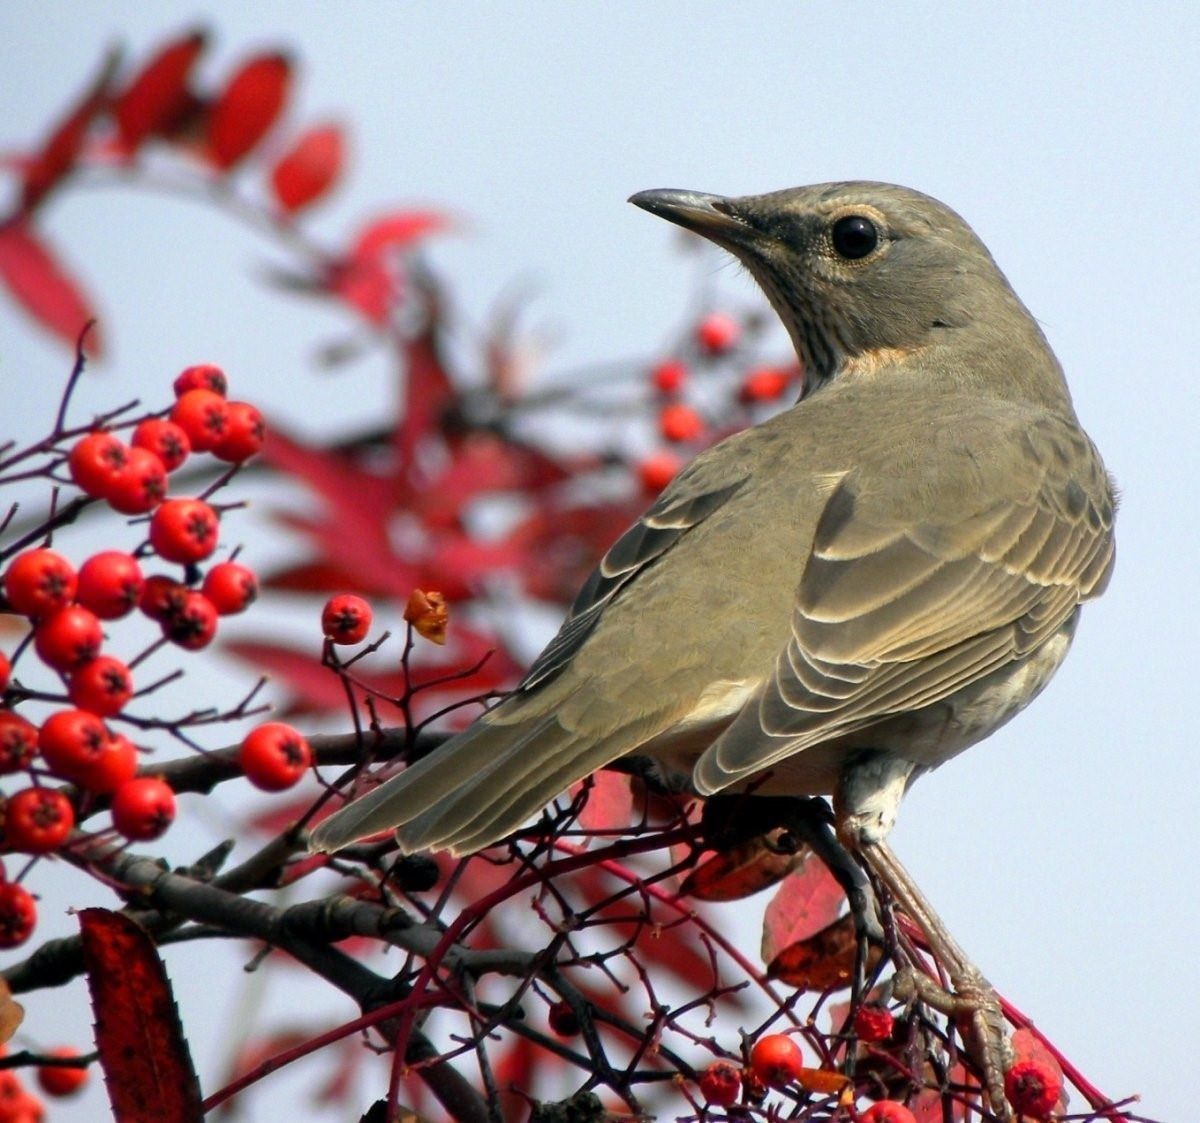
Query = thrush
x=834 y=601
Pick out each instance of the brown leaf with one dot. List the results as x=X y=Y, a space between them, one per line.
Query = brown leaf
x=427 y=613
x=809 y=900
x=824 y=961
x=12 y=1013
x=740 y=872
x=139 y=1035
x=822 y=1081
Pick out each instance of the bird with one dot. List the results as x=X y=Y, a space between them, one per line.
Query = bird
x=838 y=599
x=834 y=601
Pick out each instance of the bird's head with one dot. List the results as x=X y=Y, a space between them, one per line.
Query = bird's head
x=858 y=272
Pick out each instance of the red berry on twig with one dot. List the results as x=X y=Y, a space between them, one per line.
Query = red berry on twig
x=184 y=530
x=142 y=809
x=39 y=582
x=776 y=1060
x=1033 y=1088
x=231 y=586
x=165 y=439
x=110 y=584
x=887 y=1111
x=37 y=820
x=721 y=1083
x=203 y=416
x=274 y=756
x=202 y=376
x=18 y=914
x=69 y=638
x=346 y=618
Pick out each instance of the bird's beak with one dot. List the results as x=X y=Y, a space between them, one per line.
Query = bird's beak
x=709 y=215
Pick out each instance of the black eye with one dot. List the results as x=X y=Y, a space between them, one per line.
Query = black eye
x=854 y=236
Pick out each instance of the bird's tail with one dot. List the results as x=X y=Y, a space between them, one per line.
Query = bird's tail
x=471 y=791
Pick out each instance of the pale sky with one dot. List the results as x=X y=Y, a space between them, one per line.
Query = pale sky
x=1060 y=851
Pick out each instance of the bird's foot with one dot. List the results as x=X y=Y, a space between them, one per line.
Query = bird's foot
x=974 y=1007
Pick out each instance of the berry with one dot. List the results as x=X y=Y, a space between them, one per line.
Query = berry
x=194 y=624
x=116 y=762
x=776 y=1060
x=72 y=741
x=721 y=1083
x=346 y=619
x=764 y=385
x=231 y=586
x=245 y=434
x=415 y=873
x=165 y=439
x=110 y=583
x=669 y=376
x=37 y=820
x=18 y=914
x=18 y=742
x=69 y=638
x=873 y=1023
x=162 y=598
x=140 y=486
x=658 y=470
x=274 y=756
x=679 y=422
x=39 y=582
x=887 y=1111
x=58 y=1080
x=718 y=333
x=203 y=416
x=203 y=376
x=563 y=1020
x=142 y=809
x=5 y=672
x=184 y=530
x=96 y=460
x=102 y=686
x=1033 y=1088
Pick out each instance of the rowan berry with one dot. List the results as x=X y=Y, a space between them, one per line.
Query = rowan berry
x=1033 y=1088
x=18 y=742
x=96 y=460
x=231 y=586
x=721 y=1083
x=162 y=598
x=37 y=820
x=669 y=376
x=60 y=1080
x=18 y=914
x=776 y=1060
x=346 y=619
x=274 y=756
x=69 y=638
x=140 y=486
x=203 y=415
x=193 y=625
x=765 y=384
x=656 y=471
x=245 y=434
x=143 y=808
x=679 y=422
x=110 y=584
x=202 y=376
x=165 y=439
x=101 y=686
x=563 y=1019
x=39 y=582
x=116 y=762
x=873 y=1023
x=887 y=1111
x=184 y=530
x=718 y=333
x=72 y=741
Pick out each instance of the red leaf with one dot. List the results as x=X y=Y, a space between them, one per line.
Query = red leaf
x=159 y=92
x=145 y=1058
x=808 y=901
x=247 y=108
x=427 y=392
x=609 y=804
x=738 y=873
x=309 y=168
x=41 y=285
x=57 y=156
x=824 y=961
x=395 y=230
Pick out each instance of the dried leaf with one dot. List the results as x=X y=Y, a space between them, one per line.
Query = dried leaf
x=427 y=613
x=809 y=900
x=741 y=872
x=824 y=961
x=822 y=1081
x=12 y=1013
x=139 y=1035
x=42 y=286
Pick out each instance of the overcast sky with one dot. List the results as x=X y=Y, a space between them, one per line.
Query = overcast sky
x=1061 y=851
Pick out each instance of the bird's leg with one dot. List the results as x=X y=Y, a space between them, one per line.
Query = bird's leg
x=865 y=809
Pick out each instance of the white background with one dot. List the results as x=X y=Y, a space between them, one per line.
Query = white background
x=1061 y=851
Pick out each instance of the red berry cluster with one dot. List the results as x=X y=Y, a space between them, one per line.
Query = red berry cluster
x=19 y=1105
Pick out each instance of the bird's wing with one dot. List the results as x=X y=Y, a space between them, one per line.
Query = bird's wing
x=674 y=513
x=893 y=614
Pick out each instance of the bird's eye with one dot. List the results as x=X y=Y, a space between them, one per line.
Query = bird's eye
x=854 y=236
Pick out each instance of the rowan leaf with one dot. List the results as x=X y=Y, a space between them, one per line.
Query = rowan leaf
x=807 y=902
